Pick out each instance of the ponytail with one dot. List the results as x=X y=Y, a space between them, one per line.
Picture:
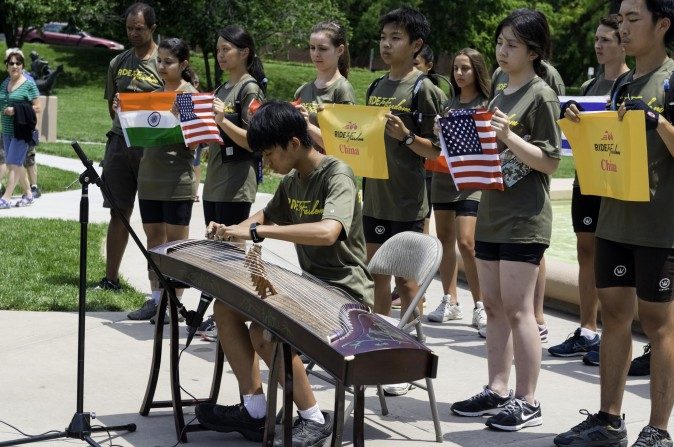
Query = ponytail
x=179 y=49
x=239 y=37
x=337 y=35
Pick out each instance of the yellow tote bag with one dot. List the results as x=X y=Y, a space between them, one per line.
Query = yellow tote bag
x=610 y=155
x=355 y=135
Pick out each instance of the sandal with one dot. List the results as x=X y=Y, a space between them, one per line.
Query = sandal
x=25 y=201
x=4 y=205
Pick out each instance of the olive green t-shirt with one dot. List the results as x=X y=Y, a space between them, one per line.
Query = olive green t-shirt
x=233 y=181
x=443 y=189
x=339 y=92
x=600 y=87
x=127 y=74
x=166 y=172
x=649 y=224
x=499 y=80
x=522 y=213
x=329 y=192
x=402 y=197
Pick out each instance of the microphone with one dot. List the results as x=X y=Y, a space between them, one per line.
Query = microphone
x=195 y=318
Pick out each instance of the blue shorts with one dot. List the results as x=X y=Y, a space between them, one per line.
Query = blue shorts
x=15 y=150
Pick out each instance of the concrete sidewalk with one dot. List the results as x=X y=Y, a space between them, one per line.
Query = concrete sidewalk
x=38 y=367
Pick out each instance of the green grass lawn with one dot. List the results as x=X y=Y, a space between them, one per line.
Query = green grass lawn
x=57 y=180
x=41 y=271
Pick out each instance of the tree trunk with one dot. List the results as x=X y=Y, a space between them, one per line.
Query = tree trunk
x=6 y=27
x=207 y=67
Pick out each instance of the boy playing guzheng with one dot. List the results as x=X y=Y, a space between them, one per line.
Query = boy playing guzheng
x=316 y=207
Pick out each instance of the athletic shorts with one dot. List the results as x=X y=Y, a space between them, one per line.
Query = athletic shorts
x=227 y=213
x=172 y=212
x=461 y=208
x=649 y=269
x=429 y=180
x=492 y=251
x=120 y=171
x=378 y=231
x=15 y=150
x=584 y=211
x=30 y=158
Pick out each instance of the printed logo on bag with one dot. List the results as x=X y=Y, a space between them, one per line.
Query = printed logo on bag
x=587 y=221
x=607 y=136
x=620 y=270
x=665 y=283
x=379 y=229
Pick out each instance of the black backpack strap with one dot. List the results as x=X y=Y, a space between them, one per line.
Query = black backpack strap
x=417 y=116
x=617 y=89
x=669 y=98
x=589 y=85
x=239 y=98
x=371 y=88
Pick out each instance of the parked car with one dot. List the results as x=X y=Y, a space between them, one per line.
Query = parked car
x=60 y=33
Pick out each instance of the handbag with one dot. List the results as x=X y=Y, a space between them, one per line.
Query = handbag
x=512 y=168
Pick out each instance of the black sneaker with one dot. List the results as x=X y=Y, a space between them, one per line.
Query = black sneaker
x=230 y=418
x=641 y=366
x=593 y=432
x=592 y=357
x=516 y=415
x=486 y=402
x=36 y=191
x=652 y=437
x=308 y=433
x=106 y=284
x=576 y=344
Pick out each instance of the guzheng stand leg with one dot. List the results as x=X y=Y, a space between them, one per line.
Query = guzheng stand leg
x=359 y=416
x=270 y=424
x=338 y=418
x=285 y=352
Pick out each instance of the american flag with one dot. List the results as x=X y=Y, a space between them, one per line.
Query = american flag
x=197 y=120
x=469 y=144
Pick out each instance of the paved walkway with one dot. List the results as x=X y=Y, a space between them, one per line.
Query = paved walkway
x=38 y=367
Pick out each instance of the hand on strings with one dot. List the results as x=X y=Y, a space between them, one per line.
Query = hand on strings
x=571 y=110
x=395 y=127
x=501 y=124
x=652 y=117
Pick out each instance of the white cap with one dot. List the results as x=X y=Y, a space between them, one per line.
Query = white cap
x=11 y=51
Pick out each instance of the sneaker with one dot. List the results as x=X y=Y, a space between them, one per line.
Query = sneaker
x=36 y=191
x=207 y=325
x=4 y=204
x=592 y=357
x=308 y=433
x=446 y=311
x=397 y=389
x=652 y=437
x=230 y=418
x=106 y=284
x=167 y=318
x=147 y=311
x=543 y=332
x=479 y=316
x=517 y=415
x=641 y=366
x=211 y=335
x=24 y=201
x=486 y=402
x=482 y=332
x=575 y=344
x=593 y=432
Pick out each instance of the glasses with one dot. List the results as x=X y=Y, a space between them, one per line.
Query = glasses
x=14 y=64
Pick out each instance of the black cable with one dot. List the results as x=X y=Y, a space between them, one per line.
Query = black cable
x=26 y=434
x=109 y=435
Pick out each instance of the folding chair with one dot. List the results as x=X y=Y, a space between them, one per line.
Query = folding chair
x=414 y=256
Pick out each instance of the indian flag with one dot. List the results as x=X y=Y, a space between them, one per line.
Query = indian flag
x=147 y=120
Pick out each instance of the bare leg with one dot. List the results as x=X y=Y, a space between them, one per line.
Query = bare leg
x=617 y=305
x=407 y=289
x=518 y=283
x=115 y=244
x=17 y=174
x=446 y=230
x=589 y=301
x=657 y=320
x=466 y=243
x=539 y=294
x=32 y=174
x=499 y=341
x=302 y=393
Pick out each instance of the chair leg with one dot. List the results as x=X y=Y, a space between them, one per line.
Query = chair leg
x=382 y=400
x=434 y=409
x=359 y=416
x=338 y=420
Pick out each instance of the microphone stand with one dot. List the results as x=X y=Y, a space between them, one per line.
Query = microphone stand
x=80 y=425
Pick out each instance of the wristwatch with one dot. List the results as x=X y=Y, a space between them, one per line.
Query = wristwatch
x=253 y=233
x=409 y=139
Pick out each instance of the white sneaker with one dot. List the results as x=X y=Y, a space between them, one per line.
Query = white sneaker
x=480 y=319
x=397 y=389
x=446 y=311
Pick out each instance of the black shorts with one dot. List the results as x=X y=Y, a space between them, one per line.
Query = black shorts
x=172 y=212
x=226 y=213
x=378 y=231
x=492 y=251
x=428 y=194
x=120 y=171
x=584 y=211
x=461 y=208
x=649 y=269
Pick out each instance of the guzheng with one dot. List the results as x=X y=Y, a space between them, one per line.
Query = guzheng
x=355 y=346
